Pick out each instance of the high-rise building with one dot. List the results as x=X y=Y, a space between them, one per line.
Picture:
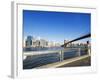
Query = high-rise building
x=43 y=43
x=29 y=41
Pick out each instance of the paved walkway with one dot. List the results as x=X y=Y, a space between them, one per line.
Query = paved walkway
x=77 y=61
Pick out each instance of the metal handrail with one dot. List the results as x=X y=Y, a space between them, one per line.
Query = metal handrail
x=61 y=52
x=40 y=52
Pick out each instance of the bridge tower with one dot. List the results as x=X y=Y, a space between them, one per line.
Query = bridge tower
x=65 y=41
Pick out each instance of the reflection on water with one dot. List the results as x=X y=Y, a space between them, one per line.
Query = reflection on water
x=39 y=60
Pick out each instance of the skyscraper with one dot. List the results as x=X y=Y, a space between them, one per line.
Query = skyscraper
x=29 y=41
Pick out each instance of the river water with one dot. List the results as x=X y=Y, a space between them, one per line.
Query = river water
x=39 y=60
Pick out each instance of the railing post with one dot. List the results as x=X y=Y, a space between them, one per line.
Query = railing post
x=24 y=57
x=61 y=55
x=89 y=51
x=79 y=52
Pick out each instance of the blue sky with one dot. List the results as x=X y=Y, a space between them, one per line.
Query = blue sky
x=55 y=26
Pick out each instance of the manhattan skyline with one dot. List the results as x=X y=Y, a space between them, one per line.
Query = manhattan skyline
x=56 y=26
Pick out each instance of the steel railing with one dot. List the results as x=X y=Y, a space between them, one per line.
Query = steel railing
x=60 y=52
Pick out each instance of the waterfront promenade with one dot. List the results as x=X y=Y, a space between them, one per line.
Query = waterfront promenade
x=73 y=62
x=57 y=58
